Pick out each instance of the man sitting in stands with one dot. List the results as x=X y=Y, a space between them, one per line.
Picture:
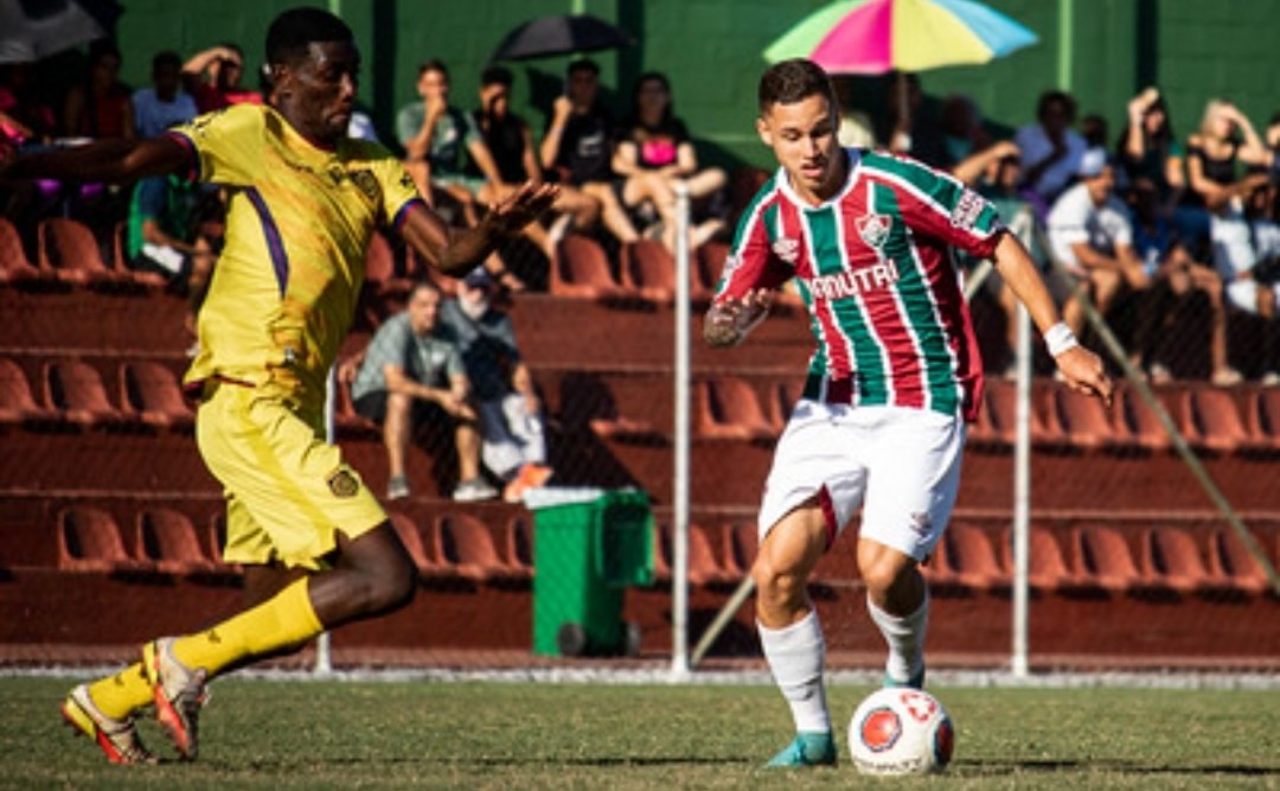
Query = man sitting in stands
x=412 y=375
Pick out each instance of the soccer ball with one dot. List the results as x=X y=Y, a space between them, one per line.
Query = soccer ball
x=900 y=731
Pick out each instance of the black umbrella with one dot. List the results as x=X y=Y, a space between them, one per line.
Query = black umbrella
x=559 y=35
x=33 y=29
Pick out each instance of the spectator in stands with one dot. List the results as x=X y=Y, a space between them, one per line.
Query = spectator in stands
x=1250 y=266
x=1090 y=233
x=25 y=119
x=578 y=146
x=412 y=375
x=1149 y=152
x=164 y=104
x=1175 y=278
x=212 y=77
x=1051 y=149
x=654 y=153
x=508 y=405
x=1093 y=128
x=101 y=106
x=436 y=137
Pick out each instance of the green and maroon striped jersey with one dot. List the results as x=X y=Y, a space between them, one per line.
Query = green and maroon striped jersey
x=873 y=266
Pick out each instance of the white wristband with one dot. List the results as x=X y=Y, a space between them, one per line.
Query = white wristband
x=1059 y=338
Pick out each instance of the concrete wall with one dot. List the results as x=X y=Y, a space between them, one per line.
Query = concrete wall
x=711 y=50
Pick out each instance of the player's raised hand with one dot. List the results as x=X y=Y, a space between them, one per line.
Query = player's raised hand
x=519 y=208
x=729 y=320
x=1084 y=373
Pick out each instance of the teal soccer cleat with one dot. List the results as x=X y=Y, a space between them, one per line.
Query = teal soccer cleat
x=808 y=749
x=915 y=682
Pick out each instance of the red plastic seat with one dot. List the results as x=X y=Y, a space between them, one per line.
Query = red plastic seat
x=518 y=537
x=89 y=540
x=649 y=271
x=587 y=398
x=167 y=540
x=150 y=390
x=70 y=253
x=705 y=269
x=1171 y=557
x=1103 y=559
x=1137 y=422
x=704 y=567
x=581 y=269
x=1047 y=566
x=76 y=389
x=1081 y=419
x=1229 y=558
x=971 y=559
x=1002 y=406
x=120 y=263
x=413 y=543
x=1262 y=418
x=727 y=408
x=467 y=546
x=742 y=541
x=783 y=397
x=1211 y=420
x=14 y=266
x=17 y=404
x=380 y=268
x=345 y=415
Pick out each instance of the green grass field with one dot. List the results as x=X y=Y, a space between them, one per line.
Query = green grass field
x=295 y=734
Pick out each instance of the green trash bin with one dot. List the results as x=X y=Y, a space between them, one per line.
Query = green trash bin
x=588 y=546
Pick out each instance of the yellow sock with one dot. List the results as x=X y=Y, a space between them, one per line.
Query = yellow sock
x=119 y=695
x=283 y=621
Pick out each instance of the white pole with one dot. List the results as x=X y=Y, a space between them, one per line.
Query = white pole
x=1022 y=496
x=680 y=504
x=324 y=664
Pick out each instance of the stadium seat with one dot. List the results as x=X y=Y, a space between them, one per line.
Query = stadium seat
x=214 y=538
x=76 y=389
x=1104 y=560
x=727 y=408
x=411 y=537
x=1002 y=408
x=467 y=547
x=1047 y=567
x=89 y=540
x=150 y=391
x=121 y=266
x=1211 y=420
x=1081 y=419
x=1137 y=422
x=518 y=536
x=70 y=253
x=742 y=542
x=662 y=554
x=16 y=402
x=1262 y=419
x=167 y=540
x=14 y=266
x=581 y=269
x=346 y=417
x=1171 y=557
x=649 y=271
x=1229 y=558
x=704 y=566
x=705 y=269
x=380 y=268
x=981 y=431
x=971 y=559
x=782 y=398
x=588 y=399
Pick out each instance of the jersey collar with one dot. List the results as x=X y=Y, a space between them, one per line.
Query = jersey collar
x=854 y=157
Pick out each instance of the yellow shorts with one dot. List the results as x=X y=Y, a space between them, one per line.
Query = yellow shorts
x=287 y=489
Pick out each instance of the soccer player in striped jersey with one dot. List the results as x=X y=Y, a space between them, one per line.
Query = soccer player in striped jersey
x=316 y=546
x=896 y=374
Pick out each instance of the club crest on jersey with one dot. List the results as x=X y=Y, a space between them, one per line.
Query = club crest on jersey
x=874 y=228
x=787 y=249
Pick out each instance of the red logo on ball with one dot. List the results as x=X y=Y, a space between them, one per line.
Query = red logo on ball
x=881 y=729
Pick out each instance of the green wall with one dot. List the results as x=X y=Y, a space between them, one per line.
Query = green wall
x=711 y=50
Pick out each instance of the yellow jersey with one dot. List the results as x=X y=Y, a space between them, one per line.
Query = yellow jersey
x=299 y=219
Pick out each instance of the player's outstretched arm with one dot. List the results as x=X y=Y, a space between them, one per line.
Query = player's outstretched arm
x=455 y=252
x=1081 y=368
x=112 y=161
x=729 y=321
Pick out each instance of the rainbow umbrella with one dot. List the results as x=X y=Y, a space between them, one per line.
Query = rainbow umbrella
x=877 y=36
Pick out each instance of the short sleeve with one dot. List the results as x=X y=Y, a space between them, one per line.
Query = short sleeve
x=935 y=204
x=751 y=263
x=467 y=127
x=225 y=144
x=398 y=190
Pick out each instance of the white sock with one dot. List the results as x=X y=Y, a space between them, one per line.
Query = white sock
x=796 y=655
x=905 y=636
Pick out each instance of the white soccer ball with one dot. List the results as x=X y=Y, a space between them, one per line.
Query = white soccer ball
x=901 y=731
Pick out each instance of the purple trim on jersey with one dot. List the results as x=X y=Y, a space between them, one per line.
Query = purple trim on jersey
x=193 y=155
x=402 y=212
x=275 y=245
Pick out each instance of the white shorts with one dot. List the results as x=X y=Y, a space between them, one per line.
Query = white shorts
x=902 y=465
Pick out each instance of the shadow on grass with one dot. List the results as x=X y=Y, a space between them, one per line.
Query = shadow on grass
x=1046 y=766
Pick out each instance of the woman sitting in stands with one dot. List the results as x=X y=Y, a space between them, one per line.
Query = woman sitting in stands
x=654 y=154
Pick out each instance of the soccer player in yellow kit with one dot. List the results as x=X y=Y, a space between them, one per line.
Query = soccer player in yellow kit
x=317 y=548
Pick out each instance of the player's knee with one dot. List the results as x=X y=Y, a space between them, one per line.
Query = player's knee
x=392 y=586
x=775 y=583
x=881 y=576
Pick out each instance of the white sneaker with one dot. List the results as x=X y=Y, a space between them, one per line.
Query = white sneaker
x=473 y=490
